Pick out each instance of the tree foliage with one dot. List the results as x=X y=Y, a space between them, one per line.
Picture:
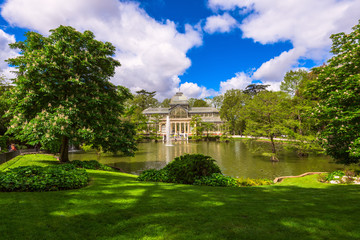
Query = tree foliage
x=136 y=105
x=266 y=114
x=165 y=103
x=337 y=90
x=301 y=127
x=254 y=89
x=197 y=127
x=293 y=80
x=200 y=103
x=62 y=93
x=232 y=110
x=144 y=99
x=217 y=101
x=4 y=105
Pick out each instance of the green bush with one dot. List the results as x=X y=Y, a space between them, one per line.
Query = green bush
x=197 y=169
x=189 y=167
x=216 y=179
x=248 y=182
x=39 y=179
x=92 y=164
x=153 y=175
x=336 y=175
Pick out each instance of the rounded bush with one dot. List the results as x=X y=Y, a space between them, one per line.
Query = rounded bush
x=153 y=175
x=189 y=167
x=39 y=179
x=92 y=164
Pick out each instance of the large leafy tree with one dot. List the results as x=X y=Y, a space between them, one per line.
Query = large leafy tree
x=62 y=93
x=254 y=89
x=200 y=103
x=301 y=127
x=144 y=99
x=337 y=90
x=136 y=105
x=293 y=81
x=266 y=115
x=217 y=101
x=232 y=107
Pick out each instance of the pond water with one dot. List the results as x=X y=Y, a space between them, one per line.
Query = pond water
x=234 y=159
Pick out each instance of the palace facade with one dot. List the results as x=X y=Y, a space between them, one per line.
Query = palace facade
x=180 y=114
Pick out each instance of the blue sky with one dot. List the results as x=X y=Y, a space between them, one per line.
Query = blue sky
x=205 y=47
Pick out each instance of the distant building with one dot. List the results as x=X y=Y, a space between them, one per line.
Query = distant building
x=180 y=114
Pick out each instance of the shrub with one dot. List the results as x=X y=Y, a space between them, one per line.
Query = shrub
x=92 y=164
x=153 y=175
x=197 y=169
x=247 y=182
x=216 y=179
x=189 y=167
x=322 y=177
x=39 y=179
x=336 y=175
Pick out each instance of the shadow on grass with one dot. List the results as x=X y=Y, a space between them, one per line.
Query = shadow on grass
x=116 y=206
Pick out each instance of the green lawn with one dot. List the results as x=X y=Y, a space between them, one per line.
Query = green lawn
x=116 y=206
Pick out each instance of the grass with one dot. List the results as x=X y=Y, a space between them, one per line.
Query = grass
x=116 y=206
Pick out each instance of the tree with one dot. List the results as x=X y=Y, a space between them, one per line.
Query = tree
x=208 y=126
x=266 y=115
x=217 y=101
x=337 y=90
x=200 y=103
x=154 y=124
x=293 y=80
x=232 y=110
x=197 y=127
x=165 y=103
x=136 y=105
x=4 y=105
x=301 y=127
x=254 y=89
x=62 y=93
x=144 y=99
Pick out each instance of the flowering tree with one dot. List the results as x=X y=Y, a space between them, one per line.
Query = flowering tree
x=337 y=90
x=63 y=93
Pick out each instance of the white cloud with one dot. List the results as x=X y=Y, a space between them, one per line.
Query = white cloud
x=152 y=54
x=223 y=4
x=5 y=53
x=240 y=81
x=220 y=23
x=307 y=24
x=275 y=69
x=193 y=90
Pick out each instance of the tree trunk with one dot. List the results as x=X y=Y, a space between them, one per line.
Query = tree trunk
x=273 y=158
x=273 y=144
x=64 y=150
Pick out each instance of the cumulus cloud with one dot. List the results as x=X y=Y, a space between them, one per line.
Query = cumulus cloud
x=152 y=54
x=240 y=81
x=223 y=4
x=220 y=23
x=307 y=24
x=274 y=69
x=5 y=53
x=193 y=90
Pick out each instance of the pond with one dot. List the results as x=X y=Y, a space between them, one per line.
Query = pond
x=234 y=159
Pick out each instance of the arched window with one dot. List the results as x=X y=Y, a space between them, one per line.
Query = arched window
x=178 y=113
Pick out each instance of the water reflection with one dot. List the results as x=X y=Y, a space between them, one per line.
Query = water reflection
x=233 y=158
